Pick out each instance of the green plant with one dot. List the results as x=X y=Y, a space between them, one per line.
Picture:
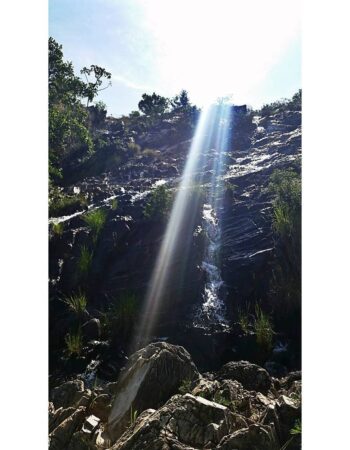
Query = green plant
x=58 y=228
x=295 y=432
x=263 y=329
x=243 y=320
x=85 y=260
x=120 y=316
x=76 y=303
x=60 y=204
x=133 y=415
x=185 y=386
x=114 y=204
x=297 y=428
x=74 y=343
x=135 y=148
x=158 y=205
x=221 y=399
x=95 y=220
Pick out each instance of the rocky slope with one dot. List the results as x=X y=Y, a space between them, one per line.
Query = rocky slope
x=161 y=401
x=245 y=257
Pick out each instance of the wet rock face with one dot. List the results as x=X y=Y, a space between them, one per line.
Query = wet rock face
x=152 y=375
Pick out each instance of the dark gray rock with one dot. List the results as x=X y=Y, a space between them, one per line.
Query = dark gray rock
x=251 y=376
x=153 y=374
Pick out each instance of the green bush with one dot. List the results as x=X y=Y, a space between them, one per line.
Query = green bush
x=95 y=220
x=159 y=203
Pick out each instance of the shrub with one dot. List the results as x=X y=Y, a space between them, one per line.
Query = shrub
x=74 y=343
x=95 y=220
x=61 y=204
x=263 y=329
x=76 y=303
x=159 y=203
x=221 y=399
x=185 y=387
x=85 y=260
x=58 y=228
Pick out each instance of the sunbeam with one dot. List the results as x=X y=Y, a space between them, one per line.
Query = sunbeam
x=212 y=130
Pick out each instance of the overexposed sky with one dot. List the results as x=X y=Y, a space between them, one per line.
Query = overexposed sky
x=247 y=48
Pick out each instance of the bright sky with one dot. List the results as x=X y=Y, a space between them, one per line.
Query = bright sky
x=211 y=48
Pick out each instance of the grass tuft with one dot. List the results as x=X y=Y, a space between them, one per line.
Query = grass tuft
x=76 y=303
x=85 y=260
x=95 y=220
x=263 y=329
x=74 y=343
x=58 y=228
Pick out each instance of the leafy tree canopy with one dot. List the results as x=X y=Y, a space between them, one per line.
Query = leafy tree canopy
x=153 y=104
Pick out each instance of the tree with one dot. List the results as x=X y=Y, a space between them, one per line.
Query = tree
x=153 y=104
x=91 y=89
x=180 y=101
x=68 y=118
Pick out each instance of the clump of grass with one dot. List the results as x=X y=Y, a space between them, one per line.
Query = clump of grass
x=133 y=415
x=85 y=260
x=263 y=329
x=76 y=303
x=135 y=148
x=243 y=320
x=58 y=228
x=120 y=316
x=61 y=204
x=158 y=205
x=114 y=204
x=74 y=343
x=95 y=220
x=294 y=432
x=185 y=386
x=221 y=399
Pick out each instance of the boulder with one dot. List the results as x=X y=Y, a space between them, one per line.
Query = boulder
x=61 y=435
x=101 y=407
x=251 y=376
x=184 y=422
x=254 y=437
x=92 y=329
x=153 y=375
x=67 y=393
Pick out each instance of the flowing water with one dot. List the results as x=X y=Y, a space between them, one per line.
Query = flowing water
x=212 y=309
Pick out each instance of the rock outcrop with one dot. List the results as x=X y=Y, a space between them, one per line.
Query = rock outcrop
x=143 y=409
x=152 y=375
